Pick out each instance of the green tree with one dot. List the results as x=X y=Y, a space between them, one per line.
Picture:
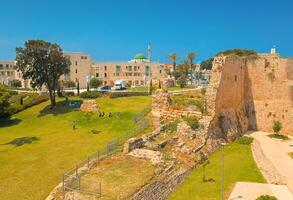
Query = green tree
x=277 y=126
x=42 y=62
x=69 y=84
x=182 y=81
x=207 y=64
x=4 y=103
x=15 y=83
x=191 y=56
x=173 y=57
x=95 y=82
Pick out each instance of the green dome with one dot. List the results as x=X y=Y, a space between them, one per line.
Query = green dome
x=139 y=56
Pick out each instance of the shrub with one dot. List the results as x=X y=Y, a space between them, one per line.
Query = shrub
x=172 y=126
x=69 y=84
x=90 y=94
x=279 y=136
x=192 y=122
x=266 y=197
x=277 y=126
x=95 y=82
x=127 y=94
x=182 y=81
x=244 y=140
x=12 y=92
x=29 y=100
x=15 y=83
x=68 y=94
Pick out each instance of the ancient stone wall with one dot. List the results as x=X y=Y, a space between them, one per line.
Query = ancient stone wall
x=249 y=94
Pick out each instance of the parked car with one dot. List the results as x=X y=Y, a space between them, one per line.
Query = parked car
x=105 y=88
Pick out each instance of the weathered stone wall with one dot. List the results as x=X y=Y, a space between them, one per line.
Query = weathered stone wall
x=248 y=94
x=160 y=189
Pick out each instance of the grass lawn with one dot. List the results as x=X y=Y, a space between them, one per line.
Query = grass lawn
x=120 y=176
x=32 y=170
x=139 y=89
x=174 y=88
x=239 y=166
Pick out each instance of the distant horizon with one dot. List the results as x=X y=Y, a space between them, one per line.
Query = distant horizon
x=117 y=30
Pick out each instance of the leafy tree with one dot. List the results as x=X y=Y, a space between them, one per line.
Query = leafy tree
x=4 y=103
x=239 y=52
x=95 y=82
x=173 y=57
x=69 y=84
x=182 y=81
x=15 y=83
x=207 y=64
x=42 y=62
x=277 y=126
x=191 y=56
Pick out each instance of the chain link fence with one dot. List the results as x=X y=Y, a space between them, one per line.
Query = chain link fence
x=74 y=181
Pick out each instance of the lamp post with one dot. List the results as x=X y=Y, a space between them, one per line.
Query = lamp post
x=222 y=179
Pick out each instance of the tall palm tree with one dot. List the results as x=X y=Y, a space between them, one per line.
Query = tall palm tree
x=191 y=56
x=173 y=57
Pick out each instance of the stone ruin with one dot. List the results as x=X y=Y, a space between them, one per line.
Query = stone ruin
x=163 y=82
x=89 y=106
x=161 y=107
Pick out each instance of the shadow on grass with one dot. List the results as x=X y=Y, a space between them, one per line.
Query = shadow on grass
x=61 y=108
x=21 y=141
x=6 y=122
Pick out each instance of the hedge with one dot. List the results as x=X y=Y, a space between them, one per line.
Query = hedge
x=90 y=94
x=29 y=101
x=127 y=94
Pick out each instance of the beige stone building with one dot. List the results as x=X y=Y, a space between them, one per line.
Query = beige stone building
x=8 y=72
x=137 y=71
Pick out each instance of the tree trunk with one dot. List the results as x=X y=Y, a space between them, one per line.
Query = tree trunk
x=191 y=69
x=174 y=69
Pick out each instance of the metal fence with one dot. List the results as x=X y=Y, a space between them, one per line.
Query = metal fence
x=73 y=180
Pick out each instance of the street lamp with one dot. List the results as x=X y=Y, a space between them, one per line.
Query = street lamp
x=222 y=179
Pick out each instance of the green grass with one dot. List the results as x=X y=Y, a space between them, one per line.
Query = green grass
x=279 y=136
x=139 y=89
x=174 y=88
x=31 y=170
x=239 y=166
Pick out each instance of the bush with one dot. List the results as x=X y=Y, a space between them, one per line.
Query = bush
x=244 y=140
x=69 y=84
x=67 y=94
x=172 y=126
x=29 y=100
x=277 y=126
x=90 y=94
x=192 y=122
x=182 y=81
x=266 y=197
x=12 y=92
x=95 y=82
x=127 y=94
x=279 y=136
x=15 y=83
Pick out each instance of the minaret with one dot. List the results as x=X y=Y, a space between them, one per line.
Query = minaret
x=149 y=52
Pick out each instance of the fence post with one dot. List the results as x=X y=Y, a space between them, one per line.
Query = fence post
x=63 y=184
x=88 y=162
x=100 y=187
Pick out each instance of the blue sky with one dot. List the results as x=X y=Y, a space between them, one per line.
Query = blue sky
x=114 y=30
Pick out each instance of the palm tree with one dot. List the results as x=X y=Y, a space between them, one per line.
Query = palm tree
x=191 y=56
x=173 y=57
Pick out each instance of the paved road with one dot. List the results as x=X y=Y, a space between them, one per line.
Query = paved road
x=276 y=152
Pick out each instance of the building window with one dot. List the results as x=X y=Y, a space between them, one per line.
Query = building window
x=76 y=71
x=105 y=82
x=105 y=67
x=105 y=75
x=235 y=78
x=117 y=69
x=135 y=68
x=147 y=70
x=160 y=71
x=75 y=63
x=97 y=74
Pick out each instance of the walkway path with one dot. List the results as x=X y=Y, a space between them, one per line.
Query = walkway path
x=276 y=151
